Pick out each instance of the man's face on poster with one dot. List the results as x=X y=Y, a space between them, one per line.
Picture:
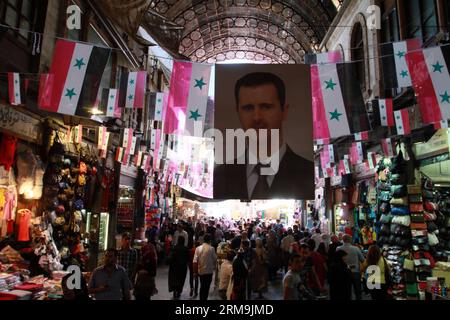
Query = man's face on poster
x=259 y=107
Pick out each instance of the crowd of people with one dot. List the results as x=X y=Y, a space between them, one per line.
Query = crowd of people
x=240 y=259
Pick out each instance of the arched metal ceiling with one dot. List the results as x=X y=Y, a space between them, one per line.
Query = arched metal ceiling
x=260 y=30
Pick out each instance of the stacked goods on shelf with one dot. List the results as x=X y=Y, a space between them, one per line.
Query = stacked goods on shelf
x=419 y=264
x=395 y=220
x=438 y=220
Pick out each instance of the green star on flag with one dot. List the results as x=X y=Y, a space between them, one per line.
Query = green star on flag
x=132 y=81
x=79 y=63
x=159 y=100
x=199 y=83
x=16 y=82
x=335 y=115
x=130 y=97
x=112 y=97
x=330 y=84
x=194 y=115
x=438 y=67
x=404 y=74
x=70 y=93
x=17 y=94
x=401 y=54
x=445 y=97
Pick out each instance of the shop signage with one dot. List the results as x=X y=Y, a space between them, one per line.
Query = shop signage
x=19 y=124
x=437 y=145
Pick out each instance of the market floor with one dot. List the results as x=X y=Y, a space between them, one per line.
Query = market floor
x=275 y=291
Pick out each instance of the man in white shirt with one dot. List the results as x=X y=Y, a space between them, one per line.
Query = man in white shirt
x=225 y=273
x=205 y=260
x=180 y=232
x=353 y=258
x=317 y=237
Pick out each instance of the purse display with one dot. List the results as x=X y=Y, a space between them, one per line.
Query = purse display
x=400 y=211
x=399 y=201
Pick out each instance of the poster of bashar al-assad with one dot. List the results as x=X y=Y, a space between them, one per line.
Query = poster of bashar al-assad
x=265 y=118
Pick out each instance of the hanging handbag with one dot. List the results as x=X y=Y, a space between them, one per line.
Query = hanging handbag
x=400 y=211
x=416 y=207
x=432 y=239
x=417 y=218
x=385 y=196
x=408 y=264
x=386 y=218
x=399 y=201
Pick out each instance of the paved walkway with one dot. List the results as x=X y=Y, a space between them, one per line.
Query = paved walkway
x=275 y=291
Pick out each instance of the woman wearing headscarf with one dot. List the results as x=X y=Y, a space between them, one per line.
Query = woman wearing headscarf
x=259 y=269
x=179 y=260
x=240 y=276
x=340 y=278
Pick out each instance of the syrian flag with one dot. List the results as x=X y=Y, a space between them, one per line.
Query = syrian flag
x=338 y=104
x=323 y=58
x=144 y=161
x=443 y=124
x=160 y=103
x=388 y=149
x=188 y=98
x=396 y=72
x=110 y=103
x=372 y=160
x=132 y=88
x=138 y=159
x=362 y=136
x=16 y=89
x=119 y=154
x=344 y=167
x=127 y=144
x=385 y=108
x=402 y=122
x=356 y=153
x=431 y=80
x=77 y=70
x=153 y=139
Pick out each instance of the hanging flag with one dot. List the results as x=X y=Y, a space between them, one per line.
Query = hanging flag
x=119 y=154
x=159 y=106
x=16 y=89
x=153 y=139
x=388 y=149
x=158 y=145
x=356 y=153
x=431 y=80
x=396 y=73
x=338 y=104
x=138 y=159
x=133 y=146
x=127 y=144
x=132 y=88
x=324 y=57
x=443 y=124
x=77 y=69
x=372 y=160
x=104 y=147
x=46 y=83
x=385 y=107
x=344 y=167
x=402 y=122
x=362 y=136
x=188 y=97
x=110 y=103
x=101 y=137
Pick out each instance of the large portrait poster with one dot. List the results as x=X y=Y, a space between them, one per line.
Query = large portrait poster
x=264 y=115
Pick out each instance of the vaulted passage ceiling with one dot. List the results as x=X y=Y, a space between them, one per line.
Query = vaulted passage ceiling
x=259 y=30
